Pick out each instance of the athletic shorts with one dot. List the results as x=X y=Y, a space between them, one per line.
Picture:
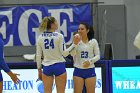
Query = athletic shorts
x=55 y=69
x=1 y=78
x=84 y=73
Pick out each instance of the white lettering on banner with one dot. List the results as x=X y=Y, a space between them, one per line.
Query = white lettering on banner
x=127 y=85
x=24 y=21
x=3 y=30
x=23 y=28
x=37 y=32
x=132 y=85
x=56 y=13
x=8 y=14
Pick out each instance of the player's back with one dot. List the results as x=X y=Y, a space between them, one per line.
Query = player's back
x=50 y=44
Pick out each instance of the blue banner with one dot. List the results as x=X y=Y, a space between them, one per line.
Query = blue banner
x=19 y=25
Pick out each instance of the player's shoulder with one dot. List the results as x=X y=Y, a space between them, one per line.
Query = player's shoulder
x=40 y=37
x=58 y=34
x=93 y=40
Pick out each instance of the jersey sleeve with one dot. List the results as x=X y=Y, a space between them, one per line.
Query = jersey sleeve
x=3 y=65
x=65 y=51
x=96 y=52
x=38 y=53
x=73 y=52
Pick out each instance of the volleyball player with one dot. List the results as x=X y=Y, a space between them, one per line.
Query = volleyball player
x=51 y=44
x=5 y=67
x=85 y=55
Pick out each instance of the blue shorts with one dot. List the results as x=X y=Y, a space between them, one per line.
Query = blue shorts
x=55 y=69
x=1 y=78
x=84 y=73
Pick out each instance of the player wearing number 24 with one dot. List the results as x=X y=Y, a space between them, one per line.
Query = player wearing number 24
x=85 y=55
x=51 y=45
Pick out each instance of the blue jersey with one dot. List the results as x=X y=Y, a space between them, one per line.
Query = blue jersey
x=3 y=65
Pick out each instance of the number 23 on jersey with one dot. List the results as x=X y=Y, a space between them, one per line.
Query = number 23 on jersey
x=84 y=54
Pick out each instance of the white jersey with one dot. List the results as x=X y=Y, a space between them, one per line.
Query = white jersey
x=86 y=51
x=51 y=46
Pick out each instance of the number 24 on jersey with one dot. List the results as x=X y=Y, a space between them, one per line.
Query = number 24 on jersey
x=49 y=43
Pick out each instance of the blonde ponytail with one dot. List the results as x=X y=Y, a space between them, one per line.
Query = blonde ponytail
x=43 y=24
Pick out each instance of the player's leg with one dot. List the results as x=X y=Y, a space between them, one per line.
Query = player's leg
x=47 y=78
x=90 y=84
x=61 y=82
x=1 y=82
x=60 y=77
x=48 y=83
x=78 y=80
x=1 y=86
x=78 y=84
x=90 y=80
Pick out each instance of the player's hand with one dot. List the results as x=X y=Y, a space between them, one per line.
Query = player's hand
x=14 y=77
x=86 y=64
x=76 y=39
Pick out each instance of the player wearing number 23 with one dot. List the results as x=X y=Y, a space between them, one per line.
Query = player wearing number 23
x=85 y=55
